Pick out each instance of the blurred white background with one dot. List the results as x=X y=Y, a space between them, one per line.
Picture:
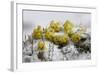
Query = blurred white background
x=5 y=33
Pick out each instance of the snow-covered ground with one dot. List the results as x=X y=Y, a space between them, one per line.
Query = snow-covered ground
x=53 y=53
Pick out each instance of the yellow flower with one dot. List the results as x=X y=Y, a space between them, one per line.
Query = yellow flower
x=68 y=26
x=76 y=37
x=65 y=38
x=37 y=33
x=41 y=46
x=49 y=34
x=55 y=25
x=60 y=39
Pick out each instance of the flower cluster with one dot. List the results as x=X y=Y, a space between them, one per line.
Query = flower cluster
x=67 y=36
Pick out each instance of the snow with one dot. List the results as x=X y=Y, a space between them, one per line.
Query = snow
x=52 y=53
